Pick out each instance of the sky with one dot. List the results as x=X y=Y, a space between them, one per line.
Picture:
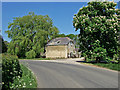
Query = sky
x=60 y=12
x=51 y=0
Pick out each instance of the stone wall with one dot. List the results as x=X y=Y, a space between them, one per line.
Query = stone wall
x=56 y=51
x=71 y=49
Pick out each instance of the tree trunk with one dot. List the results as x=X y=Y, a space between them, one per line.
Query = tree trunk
x=98 y=59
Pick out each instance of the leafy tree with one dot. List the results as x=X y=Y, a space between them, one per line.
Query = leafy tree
x=118 y=15
x=30 y=34
x=99 y=29
x=31 y=54
x=60 y=35
x=74 y=38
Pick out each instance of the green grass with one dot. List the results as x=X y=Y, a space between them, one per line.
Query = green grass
x=27 y=80
x=109 y=66
x=36 y=59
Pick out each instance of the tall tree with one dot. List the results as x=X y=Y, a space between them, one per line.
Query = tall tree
x=29 y=34
x=74 y=38
x=60 y=35
x=99 y=29
x=118 y=15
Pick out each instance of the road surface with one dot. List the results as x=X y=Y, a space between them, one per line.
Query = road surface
x=63 y=75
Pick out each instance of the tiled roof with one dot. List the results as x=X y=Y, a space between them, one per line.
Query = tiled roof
x=59 y=41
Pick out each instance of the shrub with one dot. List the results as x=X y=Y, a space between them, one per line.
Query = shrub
x=10 y=70
x=30 y=54
x=28 y=80
x=116 y=58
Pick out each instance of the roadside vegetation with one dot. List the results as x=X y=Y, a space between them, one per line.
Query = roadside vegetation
x=36 y=59
x=99 y=33
x=98 y=41
x=28 y=79
x=111 y=66
x=15 y=75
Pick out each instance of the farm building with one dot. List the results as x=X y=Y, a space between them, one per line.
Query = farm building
x=62 y=47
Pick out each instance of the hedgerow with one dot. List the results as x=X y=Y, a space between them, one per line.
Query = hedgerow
x=10 y=71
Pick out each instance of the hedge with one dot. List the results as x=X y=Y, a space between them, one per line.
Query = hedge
x=10 y=70
x=31 y=54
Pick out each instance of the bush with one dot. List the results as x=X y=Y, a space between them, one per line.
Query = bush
x=116 y=58
x=30 y=54
x=28 y=80
x=10 y=70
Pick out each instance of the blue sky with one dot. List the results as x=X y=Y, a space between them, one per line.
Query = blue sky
x=50 y=0
x=60 y=12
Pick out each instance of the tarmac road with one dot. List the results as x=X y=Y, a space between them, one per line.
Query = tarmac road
x=63 y=75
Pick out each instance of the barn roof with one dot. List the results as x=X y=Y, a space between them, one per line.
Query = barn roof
x=59 y=41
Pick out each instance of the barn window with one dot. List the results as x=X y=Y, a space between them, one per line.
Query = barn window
x=58 y=42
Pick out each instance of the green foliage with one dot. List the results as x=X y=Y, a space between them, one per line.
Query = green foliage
x=4 y=45
x=36 y=59
x=30 y=54
x=27 y=80
x=109 y=66
x=30 y=32
x=61 y=35
x=71 y=36
x=116 y=58
x=99 y=29
x=10 y=70
x=118 y=15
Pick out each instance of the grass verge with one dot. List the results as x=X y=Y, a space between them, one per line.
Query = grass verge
x=37 y=59
x=27 y=80
x=111 y=66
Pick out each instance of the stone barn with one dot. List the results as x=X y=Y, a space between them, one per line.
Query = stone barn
x=62 y=47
